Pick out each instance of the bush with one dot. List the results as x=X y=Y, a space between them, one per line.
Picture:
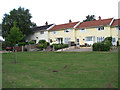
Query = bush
x=101 y=46
x=45 y=45
x=31 y=42
x=104 y=45
x=59 y=46
x=21 y=44
x=6 y=44
x=26 y=43
x=40 y=46
x=42 y=41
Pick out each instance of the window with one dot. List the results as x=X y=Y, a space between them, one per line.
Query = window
x=42 y=32
x=113 y=40
x=83 y=30
x=88 y=39
x=118 y=28
x=54 y=32
x=100 y=28
x=67 y=40
x=100 y=39
x=67 y=30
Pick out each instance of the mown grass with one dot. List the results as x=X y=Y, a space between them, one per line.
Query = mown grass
x=72 y=70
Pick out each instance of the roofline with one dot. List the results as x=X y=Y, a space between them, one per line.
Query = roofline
x=93 y=26
x=51 y=27
x=61 y=29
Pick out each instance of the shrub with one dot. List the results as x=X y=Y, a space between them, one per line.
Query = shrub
x=40 y=46
x=101 y=46
x=6 y=44
x=41 y=41
x=45 y=45
x=26 y=43
x=21 y=44
x=31 y=42
x=59 y=46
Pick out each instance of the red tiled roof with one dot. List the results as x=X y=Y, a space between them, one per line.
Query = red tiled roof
x=63 y=26
x=116 y=22
x=95 y=23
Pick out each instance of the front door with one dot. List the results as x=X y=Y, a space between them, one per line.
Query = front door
x=60 y=40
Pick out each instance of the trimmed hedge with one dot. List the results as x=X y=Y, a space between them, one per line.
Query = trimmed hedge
x=59 y=46
x=31 y=42
x=41 y=41
x=101 y=47
x=21 y=44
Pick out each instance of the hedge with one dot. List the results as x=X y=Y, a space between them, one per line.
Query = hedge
x=104 y=45
x=59 y=46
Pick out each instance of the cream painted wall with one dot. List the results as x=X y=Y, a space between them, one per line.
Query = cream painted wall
x=40 y=36
x=62 y=34
x=92 y=32
x=115 y=33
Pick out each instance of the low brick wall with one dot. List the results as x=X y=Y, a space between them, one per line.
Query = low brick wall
x=28 y=47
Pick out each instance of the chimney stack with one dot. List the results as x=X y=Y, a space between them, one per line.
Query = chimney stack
x=99 y=18
x=70 y=21
x=46 y=23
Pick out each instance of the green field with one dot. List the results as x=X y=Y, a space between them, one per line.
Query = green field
x=71 y=70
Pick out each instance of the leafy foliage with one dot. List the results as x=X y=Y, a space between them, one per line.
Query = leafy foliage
x=15 y=35
x=31 y=42
x=22 y=17
x=42 y=41
x=42 y=44
x=89 y=18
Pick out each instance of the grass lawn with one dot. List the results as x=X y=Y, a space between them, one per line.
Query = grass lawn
x=60 y=70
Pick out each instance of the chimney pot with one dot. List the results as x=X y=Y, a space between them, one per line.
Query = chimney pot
x=46 y=23
x=70 y=21
x=99 y=18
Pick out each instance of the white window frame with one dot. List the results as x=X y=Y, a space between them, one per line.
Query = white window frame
x=100 y=28
x=118 y=28
x=100 y=39
x=114 y=39
x=67 y=30
x=66 y=40
x=89 y=37
x=41 y=32
x=82 y=30
x=54 y=32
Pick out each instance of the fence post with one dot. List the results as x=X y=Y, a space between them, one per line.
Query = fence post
x=53 y=48
x=22 y=48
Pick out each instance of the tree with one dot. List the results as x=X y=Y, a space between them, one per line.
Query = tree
x=22 y=18
x=15 y=35
x=89 y=18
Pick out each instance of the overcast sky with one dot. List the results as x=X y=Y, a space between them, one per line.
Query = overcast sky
x=60 y=11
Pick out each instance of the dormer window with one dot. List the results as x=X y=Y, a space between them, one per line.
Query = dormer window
x=83 y=30
x=67 y=30
x=41 y=32
x=100 y=28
